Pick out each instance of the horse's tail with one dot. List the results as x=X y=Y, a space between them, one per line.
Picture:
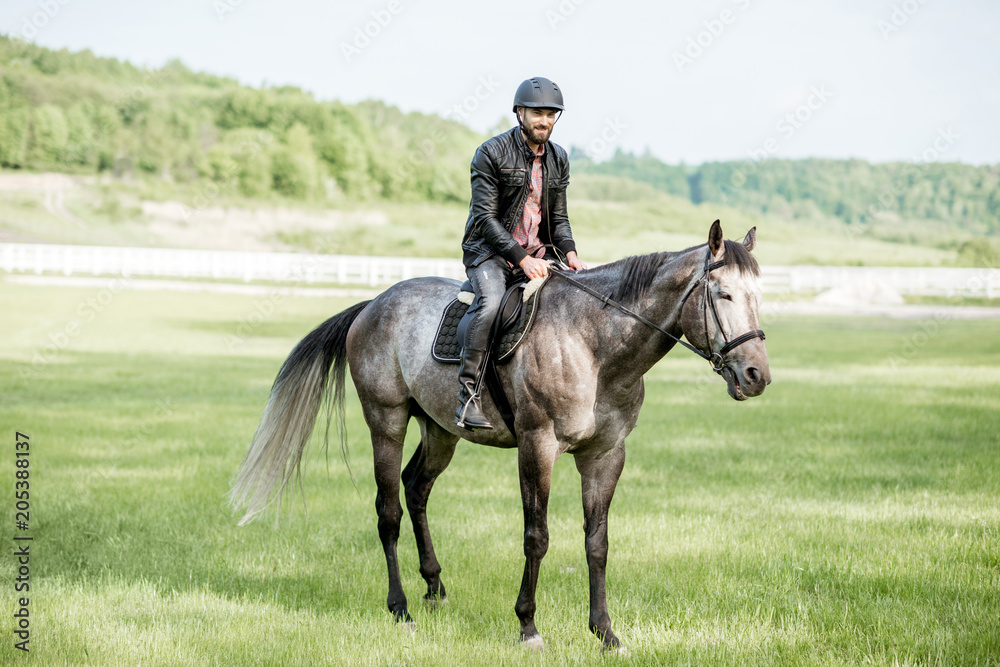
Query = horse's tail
x=290 y=414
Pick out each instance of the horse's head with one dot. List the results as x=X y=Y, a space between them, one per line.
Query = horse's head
x=720 y=316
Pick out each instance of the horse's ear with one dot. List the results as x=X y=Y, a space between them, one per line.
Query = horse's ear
x=715 y=244
x=750 y=242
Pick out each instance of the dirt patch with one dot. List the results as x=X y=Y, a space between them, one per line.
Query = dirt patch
x=36 y=182
x=173 y=224
x=217 y=228
x=873 y=292
x=51 y=186
x=15 y=236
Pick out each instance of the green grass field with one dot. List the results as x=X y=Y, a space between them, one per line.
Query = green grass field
x=850 y=515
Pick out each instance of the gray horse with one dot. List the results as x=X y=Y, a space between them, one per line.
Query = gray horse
x=575 y=385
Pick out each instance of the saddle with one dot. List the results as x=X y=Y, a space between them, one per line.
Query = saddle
x=512 y=323
x=510 y=327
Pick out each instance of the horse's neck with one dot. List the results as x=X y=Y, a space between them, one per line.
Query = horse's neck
x=676 y=280
x=627 y=347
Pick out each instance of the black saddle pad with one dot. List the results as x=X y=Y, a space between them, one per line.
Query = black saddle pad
x=447 y=348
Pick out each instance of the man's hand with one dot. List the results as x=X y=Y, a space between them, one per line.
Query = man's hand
x=534 y=267
x=574 y=261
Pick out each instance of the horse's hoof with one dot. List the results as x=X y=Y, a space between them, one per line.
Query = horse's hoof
x=534 y=644
x=620 y=651
x=407 y=627
x=436 y=603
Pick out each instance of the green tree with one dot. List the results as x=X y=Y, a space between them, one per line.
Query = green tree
x=81 y=148
x=250 y=152
x=49 y=135
x=245 y=107
x=107 y=129
x=224 y=168
x=14 y=136
x=344 y=152
x=255 y=178
x=159 y=141
x=294 y=167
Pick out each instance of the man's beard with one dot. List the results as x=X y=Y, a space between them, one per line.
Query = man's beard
x=539 y=136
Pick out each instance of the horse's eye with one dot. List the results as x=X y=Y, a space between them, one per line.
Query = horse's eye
x=723 y=295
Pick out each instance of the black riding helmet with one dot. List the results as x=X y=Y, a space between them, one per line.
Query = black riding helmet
x=538 y=92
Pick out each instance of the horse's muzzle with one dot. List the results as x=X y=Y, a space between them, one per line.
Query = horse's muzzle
x=749 y=382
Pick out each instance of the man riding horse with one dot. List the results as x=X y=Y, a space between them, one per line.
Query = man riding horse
x=607 y=327
x=517 y=219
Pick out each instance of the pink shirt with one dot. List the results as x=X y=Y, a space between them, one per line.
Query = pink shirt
x=526 y=231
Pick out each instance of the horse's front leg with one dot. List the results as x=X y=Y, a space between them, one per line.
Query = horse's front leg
x=534 y=459
x=599 y=477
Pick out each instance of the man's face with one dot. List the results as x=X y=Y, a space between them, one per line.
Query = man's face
x=538 y=123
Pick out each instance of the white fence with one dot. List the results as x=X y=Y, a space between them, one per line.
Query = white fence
x=221 y=265
x=903 y=280
x=379 y=271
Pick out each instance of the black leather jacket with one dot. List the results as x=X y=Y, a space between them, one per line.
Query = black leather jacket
x=501 y=176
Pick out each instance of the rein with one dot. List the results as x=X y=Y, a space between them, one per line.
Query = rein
x=715 y=358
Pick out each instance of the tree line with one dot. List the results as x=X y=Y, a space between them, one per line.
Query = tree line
x=855 y=192
x=80 y=113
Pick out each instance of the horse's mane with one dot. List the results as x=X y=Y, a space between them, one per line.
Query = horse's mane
x=638 y=272
x=737 y=254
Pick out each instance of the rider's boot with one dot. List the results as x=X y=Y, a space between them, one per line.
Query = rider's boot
x=470 y=410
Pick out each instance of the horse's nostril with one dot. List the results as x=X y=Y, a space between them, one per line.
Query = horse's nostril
x=753 y=375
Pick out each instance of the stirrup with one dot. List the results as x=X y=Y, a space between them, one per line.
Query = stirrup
x=460 y=417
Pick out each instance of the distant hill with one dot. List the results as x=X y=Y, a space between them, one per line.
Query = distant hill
x=855 y=192
x=78 y=113
x=208 y=141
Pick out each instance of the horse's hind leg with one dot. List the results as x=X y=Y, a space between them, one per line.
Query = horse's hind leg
x=388 y=428
x=431 y=458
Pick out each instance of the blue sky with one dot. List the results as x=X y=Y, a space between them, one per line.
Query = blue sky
x=689 y=81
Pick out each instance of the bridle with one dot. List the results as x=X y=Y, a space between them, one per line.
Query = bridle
x=714 y=358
